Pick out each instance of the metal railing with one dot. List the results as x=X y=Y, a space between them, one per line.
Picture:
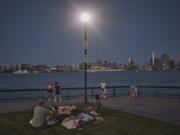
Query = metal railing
x=78 y=92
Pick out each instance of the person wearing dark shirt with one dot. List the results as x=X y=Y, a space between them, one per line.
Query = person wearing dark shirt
x=57 y=97
x=50 y=92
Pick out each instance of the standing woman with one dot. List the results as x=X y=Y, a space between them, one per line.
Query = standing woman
x=136 y=91
x=50 y=92
x=131 y=92
x=57 y=92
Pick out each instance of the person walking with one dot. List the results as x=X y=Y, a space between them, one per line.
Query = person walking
x=50 y=92
x=57 y=88
x=103 y=86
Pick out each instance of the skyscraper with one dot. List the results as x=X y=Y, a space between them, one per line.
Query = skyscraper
x=129 y=61
x=131 y=64
x=153 y=58
x=165 y=62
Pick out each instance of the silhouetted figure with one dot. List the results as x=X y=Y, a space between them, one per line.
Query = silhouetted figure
x=131 y=92
x=50 y=92
x=57 y=88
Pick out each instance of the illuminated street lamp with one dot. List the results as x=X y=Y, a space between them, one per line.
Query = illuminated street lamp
x=85 y=18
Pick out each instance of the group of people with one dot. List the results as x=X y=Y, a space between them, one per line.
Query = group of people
x=133 y=91
x=54 y=92
x=132 y=94
x=68 y=116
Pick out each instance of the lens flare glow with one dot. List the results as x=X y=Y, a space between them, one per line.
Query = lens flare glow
x=85 y=17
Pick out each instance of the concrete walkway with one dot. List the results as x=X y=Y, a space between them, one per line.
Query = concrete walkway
x=165 y=109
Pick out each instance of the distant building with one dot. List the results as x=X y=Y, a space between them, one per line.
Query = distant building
x=153 y=58
x=114 y=65
x=41 y=68
x=165 y=59
x=76 y=67
x=131 y=64
x=99 y=62
x=178 y=62
x=129 y=61
x=105 y=63
x=172 y=64
x=165 y=62
x=109 y=64
x=154 y=63
x=1 y=69
x=178 y=59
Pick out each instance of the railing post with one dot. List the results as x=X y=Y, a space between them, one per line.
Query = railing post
x=114 y=92
x=68 y=94
x=92 y=94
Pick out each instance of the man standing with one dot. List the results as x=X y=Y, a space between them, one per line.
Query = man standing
x=103 y=86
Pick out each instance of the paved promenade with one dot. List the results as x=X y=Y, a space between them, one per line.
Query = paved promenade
x=165 y=109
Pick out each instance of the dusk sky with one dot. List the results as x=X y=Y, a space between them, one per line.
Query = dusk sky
x=50 y=32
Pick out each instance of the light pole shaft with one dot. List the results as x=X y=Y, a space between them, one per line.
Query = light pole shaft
x=85 y=63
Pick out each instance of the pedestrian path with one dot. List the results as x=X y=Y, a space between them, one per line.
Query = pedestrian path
x=161 y=108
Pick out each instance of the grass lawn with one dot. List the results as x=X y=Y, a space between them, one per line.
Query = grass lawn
x=116 y=123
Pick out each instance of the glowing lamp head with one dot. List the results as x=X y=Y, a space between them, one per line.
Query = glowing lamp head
x=85 y=17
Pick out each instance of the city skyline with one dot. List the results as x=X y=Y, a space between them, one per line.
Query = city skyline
x=153 y=54
x=48 y=31
x=154 y=63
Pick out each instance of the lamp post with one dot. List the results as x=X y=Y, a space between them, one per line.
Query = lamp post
x=85 y=18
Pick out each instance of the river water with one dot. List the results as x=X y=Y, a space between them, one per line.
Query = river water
x=76 y=79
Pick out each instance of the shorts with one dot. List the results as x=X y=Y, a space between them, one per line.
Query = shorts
x=103 y=91
x=50 y=91
x=57 y=92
